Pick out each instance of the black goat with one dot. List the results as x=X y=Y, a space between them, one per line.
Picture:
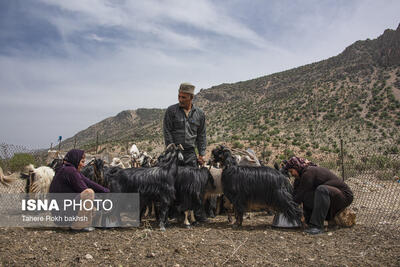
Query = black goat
x=191 y=185
x=250 y=188
x=153 y=184
x=94 y=170
x=146 y=163
x=281 y=168
x=56 y=164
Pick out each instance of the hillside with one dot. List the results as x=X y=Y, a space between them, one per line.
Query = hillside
x=127 y=126
x=354 y=96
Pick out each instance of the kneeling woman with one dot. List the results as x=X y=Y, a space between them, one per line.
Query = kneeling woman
x=68 y=179
x=321 y=192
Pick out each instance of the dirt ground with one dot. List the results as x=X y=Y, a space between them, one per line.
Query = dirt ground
x=210 y=244
x=374 y=241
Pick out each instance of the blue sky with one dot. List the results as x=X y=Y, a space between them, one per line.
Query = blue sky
x=65 y=65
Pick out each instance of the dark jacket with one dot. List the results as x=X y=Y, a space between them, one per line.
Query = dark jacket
x=69 y=180
x=188 y=131
x=312 y=177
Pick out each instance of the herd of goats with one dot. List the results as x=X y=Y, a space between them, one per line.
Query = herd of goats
x=241 y=182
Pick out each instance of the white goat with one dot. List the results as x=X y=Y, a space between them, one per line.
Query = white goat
x=134 y=151
x=5 y=180
x=135 y=154
x=116 y=162
x=39 y=179
x=249 y=158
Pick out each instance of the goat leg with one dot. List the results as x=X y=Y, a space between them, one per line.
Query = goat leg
x=163 y=215
x=186 y=221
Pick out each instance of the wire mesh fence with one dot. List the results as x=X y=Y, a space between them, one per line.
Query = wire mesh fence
x=373 y=177
x=13 y=157
x=375 y=182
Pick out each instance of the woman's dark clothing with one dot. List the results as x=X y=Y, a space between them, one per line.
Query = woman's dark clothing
x=69 y=180
x=322 y=193
x=74 y=156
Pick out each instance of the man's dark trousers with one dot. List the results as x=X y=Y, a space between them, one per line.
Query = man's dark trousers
x=316 y=207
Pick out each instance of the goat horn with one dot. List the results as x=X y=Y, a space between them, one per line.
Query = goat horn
x=169 y=146
x=239 y=151
x=181 y=147
x=252 y=156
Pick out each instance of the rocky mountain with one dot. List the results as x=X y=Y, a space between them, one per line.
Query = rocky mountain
x=354 y=96
x=129 y=125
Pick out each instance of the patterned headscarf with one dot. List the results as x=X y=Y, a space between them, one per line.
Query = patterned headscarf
x=299 y=164
x=74 y=156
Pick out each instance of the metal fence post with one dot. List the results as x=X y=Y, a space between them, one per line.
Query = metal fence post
x=97 y=141
x=342 y=157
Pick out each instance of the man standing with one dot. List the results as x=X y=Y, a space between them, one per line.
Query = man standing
x=185 y=124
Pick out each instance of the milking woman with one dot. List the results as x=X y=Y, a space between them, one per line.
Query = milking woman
x=321 y=192
x=68 y=179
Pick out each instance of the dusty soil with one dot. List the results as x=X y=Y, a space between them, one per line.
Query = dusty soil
x=213 y=243
x=374 y=241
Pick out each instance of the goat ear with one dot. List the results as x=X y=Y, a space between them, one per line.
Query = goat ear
x=276 y=166
x=167 y=157
x=225 y=154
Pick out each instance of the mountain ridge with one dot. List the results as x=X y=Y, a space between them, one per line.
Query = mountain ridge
x=353 y=96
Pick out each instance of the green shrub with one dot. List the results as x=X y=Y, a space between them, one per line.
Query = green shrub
x=315 y=145
x=329 y=164
x=3 y=164
x=296 y=142
x=20 y=160
x=235 y=137
x=325 y=149
x=266 y=153
x=237 y=144
x=275 y=144
x=287 y=153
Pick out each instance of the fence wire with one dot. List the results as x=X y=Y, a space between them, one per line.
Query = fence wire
x=374 y=179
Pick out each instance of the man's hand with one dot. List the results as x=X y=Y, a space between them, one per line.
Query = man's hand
x=201 y=160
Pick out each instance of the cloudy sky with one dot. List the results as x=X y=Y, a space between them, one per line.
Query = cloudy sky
x=65 y=65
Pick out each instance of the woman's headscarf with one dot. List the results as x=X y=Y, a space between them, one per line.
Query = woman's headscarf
x=74 y=156
x=299 y=164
